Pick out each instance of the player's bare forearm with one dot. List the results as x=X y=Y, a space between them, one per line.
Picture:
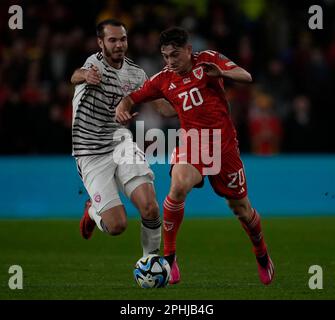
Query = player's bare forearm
x=78 y=76
x=90 y=76
x=237 y=74
x=122 y=111
x=164 y=108
x=125 y=104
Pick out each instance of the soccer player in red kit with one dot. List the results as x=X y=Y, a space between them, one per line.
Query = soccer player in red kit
x=194 y=85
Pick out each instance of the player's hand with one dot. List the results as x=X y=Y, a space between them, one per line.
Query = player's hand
x=124 y=117
x=211 y=69
x=93 y=76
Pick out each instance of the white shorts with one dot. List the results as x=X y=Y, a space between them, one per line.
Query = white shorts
x=104 y=176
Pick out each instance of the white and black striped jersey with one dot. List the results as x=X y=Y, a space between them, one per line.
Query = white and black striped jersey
x=94 y=129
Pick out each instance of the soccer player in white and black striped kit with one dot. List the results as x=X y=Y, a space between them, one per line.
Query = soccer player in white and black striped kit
x=101 y=145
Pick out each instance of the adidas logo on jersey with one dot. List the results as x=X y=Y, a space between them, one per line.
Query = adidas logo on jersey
x=241 y=191
x=172 y=86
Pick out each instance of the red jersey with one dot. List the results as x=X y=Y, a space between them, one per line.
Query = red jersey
x=198 y=99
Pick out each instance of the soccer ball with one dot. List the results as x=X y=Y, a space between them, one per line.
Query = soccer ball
x=152 y=271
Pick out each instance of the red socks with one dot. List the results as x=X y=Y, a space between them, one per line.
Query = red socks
x=254 y=230
x=173 y=216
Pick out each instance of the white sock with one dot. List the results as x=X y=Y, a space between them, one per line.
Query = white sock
x=94 y=216
x=151 y=236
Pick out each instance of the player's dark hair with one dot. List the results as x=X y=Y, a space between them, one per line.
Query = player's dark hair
x=175 y=36
x=101 y=26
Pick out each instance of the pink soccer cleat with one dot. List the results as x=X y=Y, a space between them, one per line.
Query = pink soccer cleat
x=87 y=225
x=175 y=273
x=266 y=274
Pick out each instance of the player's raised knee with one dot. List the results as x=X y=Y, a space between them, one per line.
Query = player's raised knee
x=178 y=191
x=117 y=228
x=241 y=208
x=149 y=210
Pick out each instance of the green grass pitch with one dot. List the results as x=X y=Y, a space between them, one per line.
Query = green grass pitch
x=215 y=259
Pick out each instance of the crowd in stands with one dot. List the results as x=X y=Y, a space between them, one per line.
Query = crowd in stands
x=287 y=108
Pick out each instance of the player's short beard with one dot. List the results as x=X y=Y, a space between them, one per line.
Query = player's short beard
x=109 y=55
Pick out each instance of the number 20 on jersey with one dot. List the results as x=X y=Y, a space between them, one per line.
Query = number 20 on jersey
x=192 y=98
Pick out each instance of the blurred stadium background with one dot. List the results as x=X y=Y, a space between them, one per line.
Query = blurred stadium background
x=284 y=119
x=285 y=123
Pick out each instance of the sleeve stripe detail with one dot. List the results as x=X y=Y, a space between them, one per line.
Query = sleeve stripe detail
x=230 y=63
x=210 y=52
x=157 y=74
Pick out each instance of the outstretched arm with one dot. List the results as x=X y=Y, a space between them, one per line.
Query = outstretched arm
x=122 y=111
x=150 y=91
x=164 y=108
x=237 y=74
x=91 y=76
